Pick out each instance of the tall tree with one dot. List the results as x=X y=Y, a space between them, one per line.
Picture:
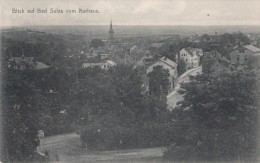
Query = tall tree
x=181 y=68
x=159 y=82
x=22 y=107
x=96 y=43
x=218 y=116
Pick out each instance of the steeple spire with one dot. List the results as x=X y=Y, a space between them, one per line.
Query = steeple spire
x=111 y=28
x=111 y=31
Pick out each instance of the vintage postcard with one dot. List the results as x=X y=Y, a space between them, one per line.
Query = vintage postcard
x=129 y=81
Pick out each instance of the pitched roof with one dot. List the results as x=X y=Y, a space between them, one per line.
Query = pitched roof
x=249 y=47
x=40 y=65
x=252 y=48
x=91 y=64
x=193 y=51
x=19 y=60
x=133 y=47
x=111 y=62
x=157 y=45
x=168 y=62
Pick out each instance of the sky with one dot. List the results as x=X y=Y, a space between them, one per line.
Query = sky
x=132 y=12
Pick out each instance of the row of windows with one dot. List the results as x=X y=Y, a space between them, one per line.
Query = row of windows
x=241 y=50
x=195 y=59
x=106 y=66
x=238 y=58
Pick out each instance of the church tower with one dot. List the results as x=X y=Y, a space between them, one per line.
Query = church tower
x=111 y=31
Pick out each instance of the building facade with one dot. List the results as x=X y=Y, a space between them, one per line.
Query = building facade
x=240 y=54
x=105 y=65
x=191 y=56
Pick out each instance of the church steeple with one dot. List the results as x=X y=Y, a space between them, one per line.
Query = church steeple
x=111 y=31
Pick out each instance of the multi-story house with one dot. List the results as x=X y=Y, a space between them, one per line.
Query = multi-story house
x=191 y=56
x=240 y=54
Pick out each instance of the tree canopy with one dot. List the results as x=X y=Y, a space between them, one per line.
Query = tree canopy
x=96 y=43
x=218 y=117
x=159 y=82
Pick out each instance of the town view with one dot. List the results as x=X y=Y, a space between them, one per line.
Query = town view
x=130 y=93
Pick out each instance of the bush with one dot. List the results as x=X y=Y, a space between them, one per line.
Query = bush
x=100 y=137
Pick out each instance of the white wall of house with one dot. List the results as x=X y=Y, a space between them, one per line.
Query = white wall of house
x=106 y=65
x=191 y=60
x=185 y=56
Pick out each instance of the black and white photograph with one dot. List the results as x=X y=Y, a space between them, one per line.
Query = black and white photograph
x=132 y=81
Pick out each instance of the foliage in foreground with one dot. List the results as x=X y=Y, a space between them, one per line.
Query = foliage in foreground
x=119 y=114
x=217 y=119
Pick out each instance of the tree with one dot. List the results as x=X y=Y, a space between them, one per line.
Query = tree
x=159 y=82
x=96 y=43
x=181 y=68
x=218 y=117
x=23 y=104
x=114 y=111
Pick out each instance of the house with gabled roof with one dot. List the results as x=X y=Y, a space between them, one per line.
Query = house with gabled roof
x=240 y=54
x=105 y=65
x=170 y=66
x=25 y=63
x=191 y=56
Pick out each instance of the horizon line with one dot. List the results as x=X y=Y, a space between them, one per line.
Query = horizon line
x=129 y=25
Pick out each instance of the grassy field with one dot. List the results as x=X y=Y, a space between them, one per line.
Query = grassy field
x=68 y=147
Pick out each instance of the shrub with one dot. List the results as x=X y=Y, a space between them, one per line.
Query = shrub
x=101 y=137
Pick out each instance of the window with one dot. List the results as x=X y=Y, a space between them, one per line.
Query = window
x=186 y=60
x=245 y=58
x=238 y=58
x=241 y=50
x=169 y=85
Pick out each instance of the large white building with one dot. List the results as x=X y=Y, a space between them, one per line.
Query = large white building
x=191 y=56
